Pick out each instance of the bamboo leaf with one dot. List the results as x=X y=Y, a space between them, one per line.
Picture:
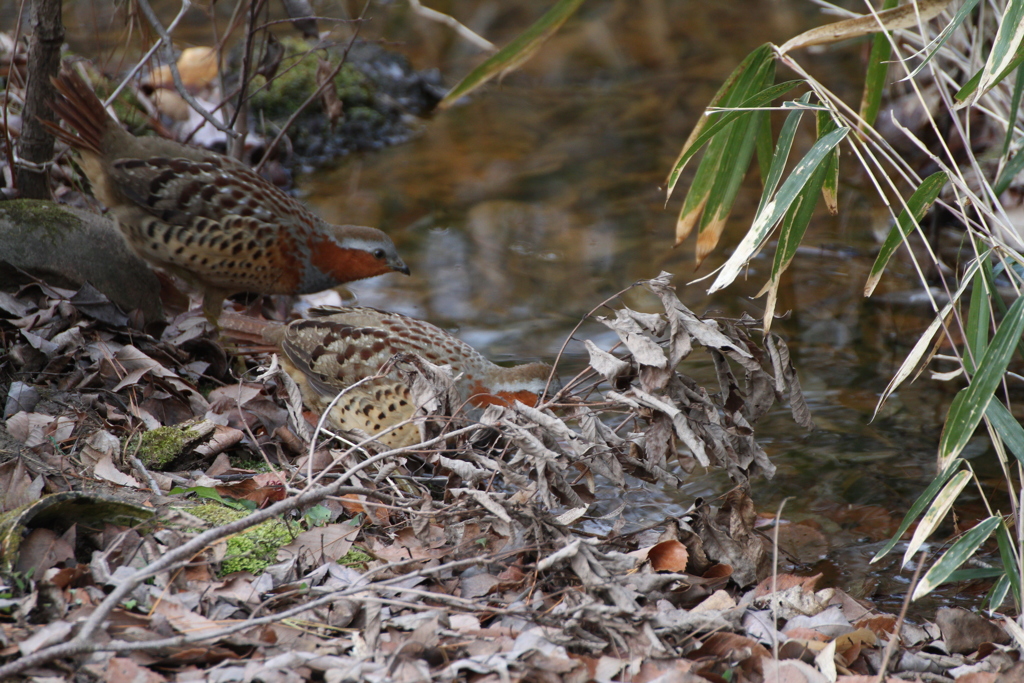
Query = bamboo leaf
x=1005 y=47
x=794 y=225
x=957 y=554
x=830 y=182
x=970 y=404
x=961 y=14
x=774 y=210
x=780 y=157
x=700 y=189
x=721 y=120
x=966 y=94
x=937 y=512
x=905 y=16
x=1018 y=91
x=718 y=137
x=924 y=196
x=1010 y=170
x=977 y=322
x=924 y=342
x=739 y=140
x=1011 y=569
x=738 y=149
x=764 y=148
x=752 y=62
x=515 y=53
x=997 y=593
x=918 y=507
x=878 y=69
x=1007 y=427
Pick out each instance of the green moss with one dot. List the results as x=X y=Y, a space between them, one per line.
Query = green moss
x=356 y=559
x=40 y=216
x=254 y=549
x=254 y=464
x=296 y=81
x=159 y=447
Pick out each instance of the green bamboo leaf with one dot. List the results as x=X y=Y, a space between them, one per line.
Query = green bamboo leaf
x=1010 y=170
x=969 y=406
x=1008 y=428
x=782 y=149
x=918 y=204
x=917 y=358
x=977 y=322
x=997 y=593
x=1011 y=569
x=957 y=554
x=515 y=53
x=937 y=512
x=700 y=189
x=791 y=233
x=878 y=68
x=970 y=88
x=975 y=574
x=1015 y=98
x=721 y=120
x=774 y=210
x=961 y=14
x=717 y=136
x=830 y=185
x=918 y=507
x=738 y=149
x=738 y=145
x=1008 y=42
x=752 y=62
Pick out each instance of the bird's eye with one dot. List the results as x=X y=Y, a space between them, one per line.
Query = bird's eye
x=379 y=254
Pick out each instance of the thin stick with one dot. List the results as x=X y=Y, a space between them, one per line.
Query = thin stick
x=154 y=21
x=891 y=645
x=775 y=584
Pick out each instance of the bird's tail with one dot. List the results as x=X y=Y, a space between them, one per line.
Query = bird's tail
x=256 y=334
x=80 y=108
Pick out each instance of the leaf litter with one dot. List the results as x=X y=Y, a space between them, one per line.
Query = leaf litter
x=463 y=557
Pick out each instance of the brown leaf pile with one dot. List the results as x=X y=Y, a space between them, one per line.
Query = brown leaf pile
x=462 y=558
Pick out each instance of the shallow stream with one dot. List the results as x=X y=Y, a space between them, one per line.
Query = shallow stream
x=524 y=207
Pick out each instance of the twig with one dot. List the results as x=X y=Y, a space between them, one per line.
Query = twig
x=8 y=146
x=891 y=645
x=82 y=644
x=168 y=49
x=145 y=58
x=775 y=585
x=315 y=94
x=84 y=641
x=569 y=338
x=453 y=23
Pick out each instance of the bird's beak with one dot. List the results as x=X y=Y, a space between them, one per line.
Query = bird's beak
x=399 y=266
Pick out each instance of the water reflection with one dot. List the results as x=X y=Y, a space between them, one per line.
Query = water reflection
x=524 y=208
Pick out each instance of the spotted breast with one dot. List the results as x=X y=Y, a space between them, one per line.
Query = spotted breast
x=336 y=347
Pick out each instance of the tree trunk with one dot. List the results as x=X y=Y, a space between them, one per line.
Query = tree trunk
x=35 y=146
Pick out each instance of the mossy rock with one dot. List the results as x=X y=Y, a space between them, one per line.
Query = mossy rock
x=296 y=81
x=67 y=247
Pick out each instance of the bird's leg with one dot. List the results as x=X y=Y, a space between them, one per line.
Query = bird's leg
x=213 y=305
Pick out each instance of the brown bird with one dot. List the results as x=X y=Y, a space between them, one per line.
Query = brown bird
x=336 y=347
x=210 y=219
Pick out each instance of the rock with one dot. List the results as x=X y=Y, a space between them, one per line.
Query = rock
x=66 y=247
